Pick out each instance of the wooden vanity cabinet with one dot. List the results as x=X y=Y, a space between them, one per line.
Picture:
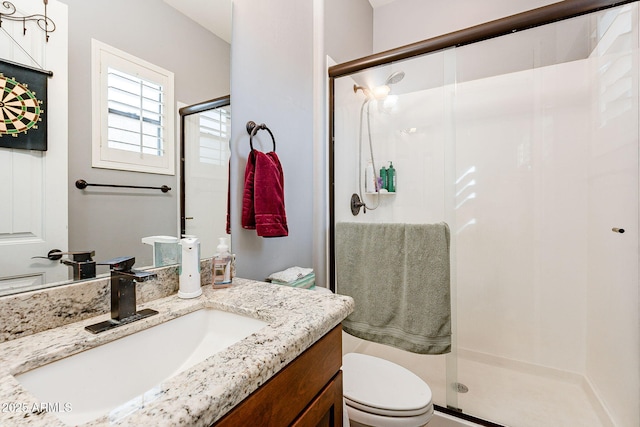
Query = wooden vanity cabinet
x=307 y=392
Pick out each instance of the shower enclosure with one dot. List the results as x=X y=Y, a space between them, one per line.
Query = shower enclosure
x=526 y=143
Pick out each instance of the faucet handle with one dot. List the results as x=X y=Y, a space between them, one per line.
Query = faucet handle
x=123 y=263
x=52 y=255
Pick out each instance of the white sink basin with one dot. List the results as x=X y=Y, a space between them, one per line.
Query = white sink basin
x=119 y=377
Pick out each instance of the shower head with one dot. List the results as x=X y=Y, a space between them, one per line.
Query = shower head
x=394 y=78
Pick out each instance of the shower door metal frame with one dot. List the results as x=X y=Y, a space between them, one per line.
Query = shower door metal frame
x=187 y=111
x=534 y=18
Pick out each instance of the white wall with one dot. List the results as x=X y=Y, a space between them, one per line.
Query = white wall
x=349 y=29
x=407 y=21
x=522 y=260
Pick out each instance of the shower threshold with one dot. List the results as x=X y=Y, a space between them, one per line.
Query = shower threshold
x=443 y=417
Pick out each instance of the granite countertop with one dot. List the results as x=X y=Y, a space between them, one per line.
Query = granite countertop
x=296 y=319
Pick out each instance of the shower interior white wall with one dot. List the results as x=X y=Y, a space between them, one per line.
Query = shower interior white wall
x=544 y=171
x=530 y=204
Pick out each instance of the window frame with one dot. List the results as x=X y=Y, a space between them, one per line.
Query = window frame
x=104 y=57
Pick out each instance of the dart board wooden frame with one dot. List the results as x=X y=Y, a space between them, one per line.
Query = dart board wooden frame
x=23 y=99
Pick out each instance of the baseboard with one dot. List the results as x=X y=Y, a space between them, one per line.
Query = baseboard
x=598 y=404
x=521 y=366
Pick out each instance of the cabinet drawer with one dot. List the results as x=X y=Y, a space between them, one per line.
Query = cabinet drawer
x=279 y=401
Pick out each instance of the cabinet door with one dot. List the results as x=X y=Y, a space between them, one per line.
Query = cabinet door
x=326 y=409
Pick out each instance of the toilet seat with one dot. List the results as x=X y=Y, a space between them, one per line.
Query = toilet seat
x=385 y=412
x=379 y=387
x=366 y=419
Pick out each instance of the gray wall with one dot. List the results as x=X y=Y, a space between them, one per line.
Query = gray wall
x=278 y=78
x=271 y=59
x=112 y=222
x=348 y=29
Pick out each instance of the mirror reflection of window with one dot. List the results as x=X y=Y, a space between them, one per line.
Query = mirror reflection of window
x=215 y=133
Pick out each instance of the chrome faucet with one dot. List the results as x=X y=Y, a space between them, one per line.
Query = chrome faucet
x=123 y=294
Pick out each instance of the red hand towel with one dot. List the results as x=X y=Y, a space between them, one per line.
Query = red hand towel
x=228 y=224
x=248 y=210
x=263 y=199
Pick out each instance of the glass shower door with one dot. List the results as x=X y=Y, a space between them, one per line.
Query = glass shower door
x=527 y=146
x=546 y=125
x=411 y=127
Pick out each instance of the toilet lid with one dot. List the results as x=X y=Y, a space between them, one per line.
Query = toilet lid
x=383 y=386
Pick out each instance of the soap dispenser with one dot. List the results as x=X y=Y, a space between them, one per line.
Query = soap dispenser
x=166 y=249
x=189 y=270
x=222 y=265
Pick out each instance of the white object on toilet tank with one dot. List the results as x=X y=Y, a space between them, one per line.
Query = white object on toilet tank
x=189 y=270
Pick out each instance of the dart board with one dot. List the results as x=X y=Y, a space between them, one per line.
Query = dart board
x=19 y=107
x=22 y=99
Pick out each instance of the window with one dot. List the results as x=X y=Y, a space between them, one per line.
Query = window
x=215 y=132
x=133 y=113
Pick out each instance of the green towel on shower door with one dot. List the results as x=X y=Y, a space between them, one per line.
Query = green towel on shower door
x=399 y=278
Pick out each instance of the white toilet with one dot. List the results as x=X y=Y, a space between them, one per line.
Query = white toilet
x=380 y=393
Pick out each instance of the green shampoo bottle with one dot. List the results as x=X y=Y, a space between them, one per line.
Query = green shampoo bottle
x=383 y=178
x=391 y=178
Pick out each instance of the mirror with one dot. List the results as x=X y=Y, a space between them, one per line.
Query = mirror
x=109 y=221
x=205 y=134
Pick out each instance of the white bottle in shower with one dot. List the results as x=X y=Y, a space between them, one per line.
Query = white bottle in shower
x=369 y=179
